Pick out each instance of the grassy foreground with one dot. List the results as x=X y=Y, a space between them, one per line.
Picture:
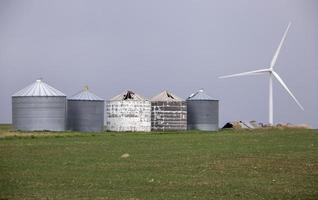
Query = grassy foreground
x=258 y=164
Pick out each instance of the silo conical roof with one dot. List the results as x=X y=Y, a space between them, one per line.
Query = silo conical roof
x=127 y=95
x=85 y=95
x=38 y=88
x=166 y=96
x=200 y=95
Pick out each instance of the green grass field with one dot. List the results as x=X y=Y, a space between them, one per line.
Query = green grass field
x=258 y=164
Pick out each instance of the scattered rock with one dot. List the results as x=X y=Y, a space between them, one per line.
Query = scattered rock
x=151 y=180
x=125 y=155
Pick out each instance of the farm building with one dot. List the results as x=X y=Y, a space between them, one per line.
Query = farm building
x=39 y=107
x=85 y=112
x=168 y=112
x=128 y=111
x=203 y=112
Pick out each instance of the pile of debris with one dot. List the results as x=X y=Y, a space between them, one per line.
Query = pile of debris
x=253 y=124
x=289 y=125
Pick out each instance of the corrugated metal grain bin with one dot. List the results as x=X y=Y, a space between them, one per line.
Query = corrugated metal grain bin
x=85 y=112
x=168 y=112
x=39 y=107
x=128 y=111
x=203 y=112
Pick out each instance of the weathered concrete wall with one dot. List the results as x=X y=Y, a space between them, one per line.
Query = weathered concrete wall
x=167 y=115
x=128 y=115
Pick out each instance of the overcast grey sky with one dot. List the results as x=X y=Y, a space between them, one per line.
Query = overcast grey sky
x=179 y=45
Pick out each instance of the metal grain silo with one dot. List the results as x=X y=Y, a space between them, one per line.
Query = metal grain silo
x=85 y=112
x=203 y=112
x=128 y=111
x=168 y=112
x=39 y=107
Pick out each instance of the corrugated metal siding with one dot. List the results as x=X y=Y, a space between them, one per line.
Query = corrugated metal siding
x=39 y=113
x=128 y=115
x=85 y=115
x=203 y=114
x=169 y=115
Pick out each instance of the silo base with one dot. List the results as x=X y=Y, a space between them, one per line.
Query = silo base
x=203 y=127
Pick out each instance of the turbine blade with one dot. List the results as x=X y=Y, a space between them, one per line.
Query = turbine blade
x=255 y=72
x=286 y=88
x=279 y=47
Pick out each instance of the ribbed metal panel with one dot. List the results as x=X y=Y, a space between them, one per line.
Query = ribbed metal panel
x=203 y=114
x=39 y=113
x=85 y=115
x=168 y=115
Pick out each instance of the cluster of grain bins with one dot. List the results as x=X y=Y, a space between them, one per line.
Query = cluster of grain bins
x=39 y=107
x=85 y=111
x=128 y=111
x=168 y=112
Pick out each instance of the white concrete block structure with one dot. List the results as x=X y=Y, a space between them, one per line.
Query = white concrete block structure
x=128 y=111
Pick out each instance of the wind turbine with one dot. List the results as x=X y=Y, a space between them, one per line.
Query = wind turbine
x=272 y=74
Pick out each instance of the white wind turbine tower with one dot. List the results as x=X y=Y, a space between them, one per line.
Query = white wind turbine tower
x=270 y=71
